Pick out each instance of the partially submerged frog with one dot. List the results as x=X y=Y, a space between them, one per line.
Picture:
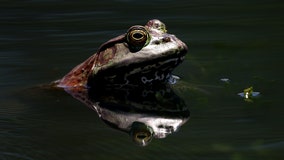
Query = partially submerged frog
x=144 y=55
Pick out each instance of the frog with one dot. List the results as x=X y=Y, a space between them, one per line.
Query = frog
x=143 y=56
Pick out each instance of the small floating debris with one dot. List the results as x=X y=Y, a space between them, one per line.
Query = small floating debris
x=248 y=94
x=225 y=80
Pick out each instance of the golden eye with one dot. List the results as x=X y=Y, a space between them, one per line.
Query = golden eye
x=137 y=37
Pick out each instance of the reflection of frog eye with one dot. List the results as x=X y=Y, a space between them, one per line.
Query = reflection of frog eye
x=137 y=37
x=141 y=134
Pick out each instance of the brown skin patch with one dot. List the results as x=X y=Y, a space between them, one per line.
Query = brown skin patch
x=79 y=75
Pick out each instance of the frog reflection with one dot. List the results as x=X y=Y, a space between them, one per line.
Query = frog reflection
x=143 y=113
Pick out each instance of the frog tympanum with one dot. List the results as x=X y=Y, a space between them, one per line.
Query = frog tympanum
x=144 y=55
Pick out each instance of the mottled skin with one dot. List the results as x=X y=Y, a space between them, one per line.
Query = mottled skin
x=142 y=56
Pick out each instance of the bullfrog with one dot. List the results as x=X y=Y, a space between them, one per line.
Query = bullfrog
x=144 y=55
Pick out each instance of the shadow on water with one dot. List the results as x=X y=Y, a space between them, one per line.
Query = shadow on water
x=143 y=113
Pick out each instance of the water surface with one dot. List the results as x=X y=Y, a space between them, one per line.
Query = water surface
x=239 y=40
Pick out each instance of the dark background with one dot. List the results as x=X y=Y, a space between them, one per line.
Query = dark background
x=41 y=40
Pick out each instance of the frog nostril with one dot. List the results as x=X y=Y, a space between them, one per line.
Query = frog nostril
x=166 y=39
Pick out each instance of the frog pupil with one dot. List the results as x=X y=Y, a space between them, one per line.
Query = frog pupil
x=137 y=36
x=141 y=136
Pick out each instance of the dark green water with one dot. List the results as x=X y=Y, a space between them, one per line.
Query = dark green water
x=240 y=40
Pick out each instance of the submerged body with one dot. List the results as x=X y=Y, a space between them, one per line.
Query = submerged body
x=142 y=56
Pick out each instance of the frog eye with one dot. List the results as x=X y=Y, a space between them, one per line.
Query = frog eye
x=137 y=37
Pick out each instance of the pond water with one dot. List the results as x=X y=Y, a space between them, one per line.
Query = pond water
x=233 y=45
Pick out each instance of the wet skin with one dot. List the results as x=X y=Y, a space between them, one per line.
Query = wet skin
x=145 y=55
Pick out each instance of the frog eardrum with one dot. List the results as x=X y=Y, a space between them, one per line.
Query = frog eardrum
x=137 y=37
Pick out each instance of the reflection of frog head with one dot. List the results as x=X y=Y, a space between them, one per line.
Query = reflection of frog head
x=142 y=127
x=156 y=114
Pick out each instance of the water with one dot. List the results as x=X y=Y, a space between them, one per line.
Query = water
x=239 y=40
